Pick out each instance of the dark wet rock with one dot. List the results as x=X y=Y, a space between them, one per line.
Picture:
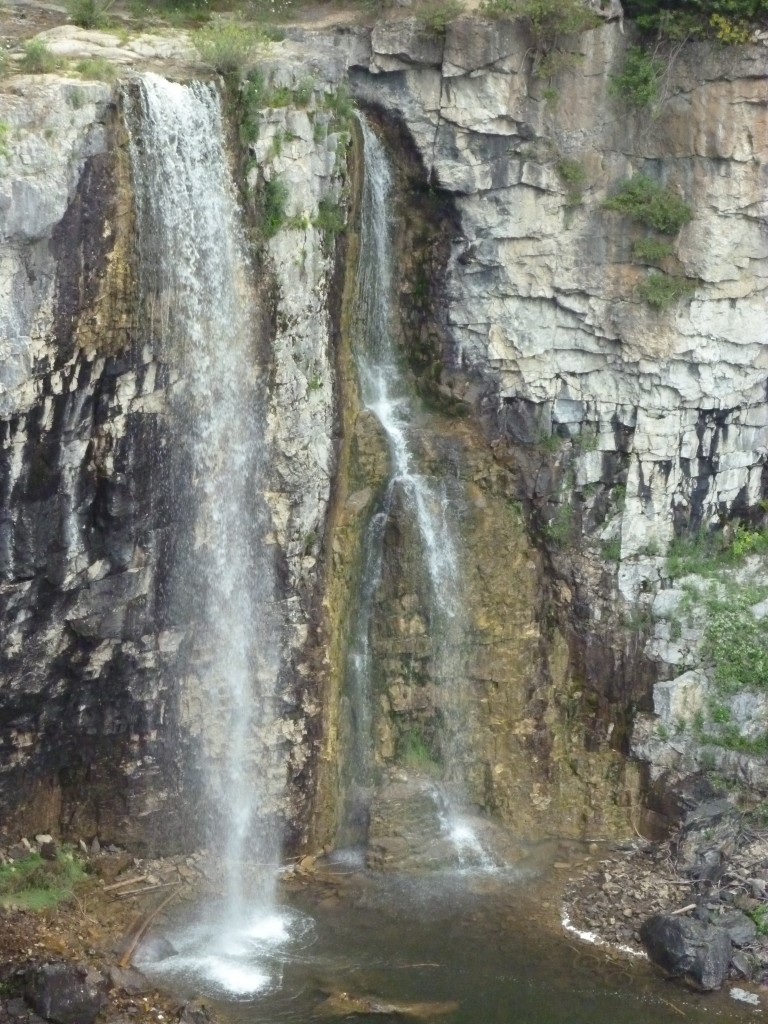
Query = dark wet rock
x=128 y=979
x=741 y=963
x=66 y=993
x=741 y=929
x=156 y=947
x=686 y=948
x=195 y=1013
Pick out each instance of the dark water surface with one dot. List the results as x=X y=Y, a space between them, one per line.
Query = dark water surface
x=476 y=941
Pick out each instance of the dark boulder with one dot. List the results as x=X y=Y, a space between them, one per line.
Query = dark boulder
x=686 y=948
x=66 y=993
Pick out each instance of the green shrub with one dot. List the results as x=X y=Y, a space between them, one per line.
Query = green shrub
x=648 y=203
x=340 y=104
x=661 y=291
x=34 y=884
x=274 y=207
x=96 y=68
x=651 y=250
x=438 y=14
x=559 y=529
x=638 y=81
x=546 y=19
x=5 y=152
x=88 y=13
x=573 y=176
x=611 y=549
x=227 y=46
x=414 y=751
x=730 y=21
x=38 y=59
x=251 y=101
x=329 y=220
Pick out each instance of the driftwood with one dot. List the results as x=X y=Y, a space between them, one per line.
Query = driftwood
x=125 y=881
x=139 y=929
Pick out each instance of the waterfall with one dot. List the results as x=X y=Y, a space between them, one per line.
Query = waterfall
x=198 y=310
x=385 y=392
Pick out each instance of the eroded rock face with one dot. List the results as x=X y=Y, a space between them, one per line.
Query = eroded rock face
x=95 y=739
x=622 y=422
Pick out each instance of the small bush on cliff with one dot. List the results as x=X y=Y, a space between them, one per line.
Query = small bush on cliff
x=38 y=59
x=661 y=291
x=638 y=81
x=546 y=19
x=651 y=250
x=227 y=47
x=34 y=884
x=730 y=21
x=274 y=207
x=649 y=203
x=4 y=150
x=438 y=14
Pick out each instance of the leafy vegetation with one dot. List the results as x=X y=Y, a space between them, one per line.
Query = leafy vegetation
x=560 y=527
x=646 y=202
x=96 y=68
x=574 y=177
x=38 y=58
x=227 y=46
x=4 y=150
x=662 y=290
x=730 y=21
x=638 y=81
x=329 y=220
x=651 y=250
x=275 y=201
x=89 y=13
x=34 y=884
x=546 y=19
x=707 y=553
x=736 y=645
x=414 y=751
x=438 y=14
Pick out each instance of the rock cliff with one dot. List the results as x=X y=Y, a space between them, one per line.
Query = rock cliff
x=599 y=425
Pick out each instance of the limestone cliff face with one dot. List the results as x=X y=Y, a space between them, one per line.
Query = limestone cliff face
x=543 y=292
x=621 y=423
x=94 y=738
x=520 y=304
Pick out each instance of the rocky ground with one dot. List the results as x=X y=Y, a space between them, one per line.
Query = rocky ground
x=709 y=877
x=71 y=962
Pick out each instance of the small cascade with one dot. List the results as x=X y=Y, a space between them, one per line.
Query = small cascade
x=198 y=312
x=386 y=393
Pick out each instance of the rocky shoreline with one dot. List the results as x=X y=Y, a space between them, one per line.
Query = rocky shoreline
x=709 y=879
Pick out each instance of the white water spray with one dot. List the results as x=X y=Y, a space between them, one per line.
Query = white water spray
x=197 y=303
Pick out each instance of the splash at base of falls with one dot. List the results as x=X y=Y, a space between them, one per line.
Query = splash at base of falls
x=229 y=961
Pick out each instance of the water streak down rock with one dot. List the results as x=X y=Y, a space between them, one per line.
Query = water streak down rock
x=198 y=310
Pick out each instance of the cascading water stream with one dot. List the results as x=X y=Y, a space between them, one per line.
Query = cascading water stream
x=199 y=311
x=386 y=394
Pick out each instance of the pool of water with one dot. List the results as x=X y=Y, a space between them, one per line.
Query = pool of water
x=475 y=946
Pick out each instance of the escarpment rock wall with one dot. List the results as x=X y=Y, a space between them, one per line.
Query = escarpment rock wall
x=622 y=423
x=97 y=736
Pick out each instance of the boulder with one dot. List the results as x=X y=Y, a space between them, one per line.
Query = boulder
x=66 y=993
x=686 y=948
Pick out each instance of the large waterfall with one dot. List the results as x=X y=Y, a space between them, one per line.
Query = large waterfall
x=386 y=393
x=199 y=313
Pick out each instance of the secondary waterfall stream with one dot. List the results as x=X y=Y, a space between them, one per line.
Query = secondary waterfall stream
x=386 y=393
x=198 y=309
